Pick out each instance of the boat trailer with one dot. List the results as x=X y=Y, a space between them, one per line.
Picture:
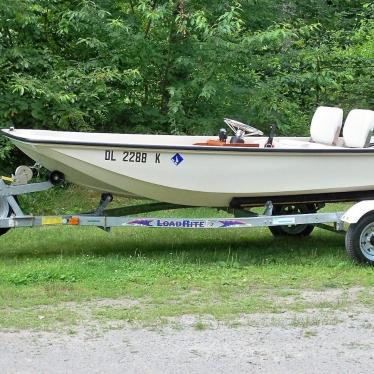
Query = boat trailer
x=359 y=237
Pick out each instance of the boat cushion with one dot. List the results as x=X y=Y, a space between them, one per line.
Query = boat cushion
x=286 y=143
x=358 y=128
x=326 y=125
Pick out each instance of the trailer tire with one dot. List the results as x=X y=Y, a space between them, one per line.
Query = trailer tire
x=359 y=240
x=293 y=230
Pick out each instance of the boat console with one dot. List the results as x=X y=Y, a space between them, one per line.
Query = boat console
x=325 y=128
x=241 y=130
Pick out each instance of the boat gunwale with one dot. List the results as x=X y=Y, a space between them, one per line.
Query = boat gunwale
x=189 y=147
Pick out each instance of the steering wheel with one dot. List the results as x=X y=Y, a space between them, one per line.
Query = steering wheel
x=245 y=130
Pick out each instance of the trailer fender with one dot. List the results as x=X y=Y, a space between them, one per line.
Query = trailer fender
x=357 y=211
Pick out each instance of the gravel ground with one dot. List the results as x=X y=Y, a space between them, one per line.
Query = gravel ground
x=315 y=342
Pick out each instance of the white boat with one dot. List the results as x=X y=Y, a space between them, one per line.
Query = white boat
x=210 y=171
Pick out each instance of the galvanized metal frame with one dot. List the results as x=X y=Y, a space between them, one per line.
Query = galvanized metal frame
x=185 y=223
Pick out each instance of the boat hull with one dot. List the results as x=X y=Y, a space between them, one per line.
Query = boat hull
x=203 y=177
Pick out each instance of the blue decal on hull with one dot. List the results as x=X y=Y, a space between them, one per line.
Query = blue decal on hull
x=177 y=159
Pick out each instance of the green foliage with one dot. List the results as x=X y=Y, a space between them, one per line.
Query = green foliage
x=179 y=66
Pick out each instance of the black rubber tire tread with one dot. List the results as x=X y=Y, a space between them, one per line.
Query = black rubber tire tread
x=56 y=178
x=352 y=239
x=279 y=231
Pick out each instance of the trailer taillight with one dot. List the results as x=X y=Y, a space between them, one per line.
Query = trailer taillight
x=74 y=220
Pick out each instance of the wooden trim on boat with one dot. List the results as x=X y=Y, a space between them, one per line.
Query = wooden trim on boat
x=232 y=148
x=218 y=143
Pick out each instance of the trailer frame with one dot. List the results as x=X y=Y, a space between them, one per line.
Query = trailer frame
x=360 y=248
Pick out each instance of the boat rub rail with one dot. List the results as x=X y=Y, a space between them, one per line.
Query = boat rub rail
x=228 y=148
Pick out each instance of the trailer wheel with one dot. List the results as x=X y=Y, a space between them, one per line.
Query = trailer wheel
x=5 y=211
x=359 y=240
x=293 y=230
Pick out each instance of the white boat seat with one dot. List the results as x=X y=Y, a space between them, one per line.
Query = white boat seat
x=326 y=125
x=286 y=143
x=358 y=128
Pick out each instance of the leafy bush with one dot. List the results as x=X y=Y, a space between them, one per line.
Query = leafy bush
x=179 y=66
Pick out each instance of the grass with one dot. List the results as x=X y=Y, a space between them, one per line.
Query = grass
x=307 y=322
x=200 y=326
x=49 y=276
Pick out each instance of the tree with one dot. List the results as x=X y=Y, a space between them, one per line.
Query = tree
x=179 y=66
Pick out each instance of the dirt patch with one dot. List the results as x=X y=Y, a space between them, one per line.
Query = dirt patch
x=333 y=298
x=120 y=302
x=311 y=342
x=332 y=294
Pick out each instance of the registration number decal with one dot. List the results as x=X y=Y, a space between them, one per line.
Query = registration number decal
x=132 y=156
